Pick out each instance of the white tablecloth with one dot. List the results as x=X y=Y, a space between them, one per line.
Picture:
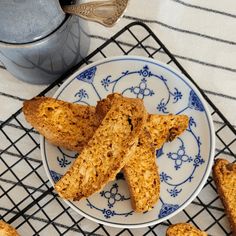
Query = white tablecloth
x=201 y=34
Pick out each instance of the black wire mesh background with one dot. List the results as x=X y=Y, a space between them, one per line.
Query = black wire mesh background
x=36 y=209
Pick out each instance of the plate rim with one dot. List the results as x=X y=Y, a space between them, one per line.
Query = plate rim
x=188 y=82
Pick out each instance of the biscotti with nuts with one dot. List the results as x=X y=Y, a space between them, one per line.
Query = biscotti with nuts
x=107 y=152
x=62 y=123
x=141 y=172
x=142 y=176
x=159 y=129
x=184 y=229
x=224 y=175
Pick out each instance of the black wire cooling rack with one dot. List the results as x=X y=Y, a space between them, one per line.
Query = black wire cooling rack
x=36 y=210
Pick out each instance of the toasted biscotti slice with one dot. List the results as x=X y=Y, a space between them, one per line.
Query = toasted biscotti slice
x=184 y=229
x=141 y=172
x=7 y=230
x=106 y=153
x=142 y=176
x=62 y=123
x=224 y=174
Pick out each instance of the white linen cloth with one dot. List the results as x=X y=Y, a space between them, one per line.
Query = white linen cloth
x=201 y=34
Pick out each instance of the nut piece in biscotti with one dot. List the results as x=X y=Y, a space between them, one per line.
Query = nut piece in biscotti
x=224 y=174
x=62 y=123
x=106 y=153
x=7 y=230
x=184 y=229
x=141 y=174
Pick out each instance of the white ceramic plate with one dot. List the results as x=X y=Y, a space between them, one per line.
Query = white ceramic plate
x=184 y=164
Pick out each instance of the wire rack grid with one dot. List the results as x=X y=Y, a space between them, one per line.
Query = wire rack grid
x=37 y=210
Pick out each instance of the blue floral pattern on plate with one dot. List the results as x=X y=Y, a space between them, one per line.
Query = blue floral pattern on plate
x=183 y=164
x=167 y=209
x=87 y=75
x=64 y=159
x=113 y=195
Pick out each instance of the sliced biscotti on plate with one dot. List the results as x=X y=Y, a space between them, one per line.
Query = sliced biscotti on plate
x=106 y=153
x=159 y=129
x=141 y=172
x=184 y=229
x=142 y=176
x=224 y=174
x=62 y=123
x=7 y=230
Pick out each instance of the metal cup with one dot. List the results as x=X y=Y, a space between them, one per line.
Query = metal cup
x=23 y=21
x=44 y=60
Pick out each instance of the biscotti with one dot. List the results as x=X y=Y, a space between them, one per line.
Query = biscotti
x=224 y=174
x=106 y=153
x=159 y=129
x=142 y=176
x=62 y=123
x=7 y=230
x=141 y=172
x=184 y=229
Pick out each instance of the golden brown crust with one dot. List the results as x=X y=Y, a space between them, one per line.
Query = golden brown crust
x=224 y=174
x=106 y=153
x=7 y=230
x=63 y=124
x=184 y=229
